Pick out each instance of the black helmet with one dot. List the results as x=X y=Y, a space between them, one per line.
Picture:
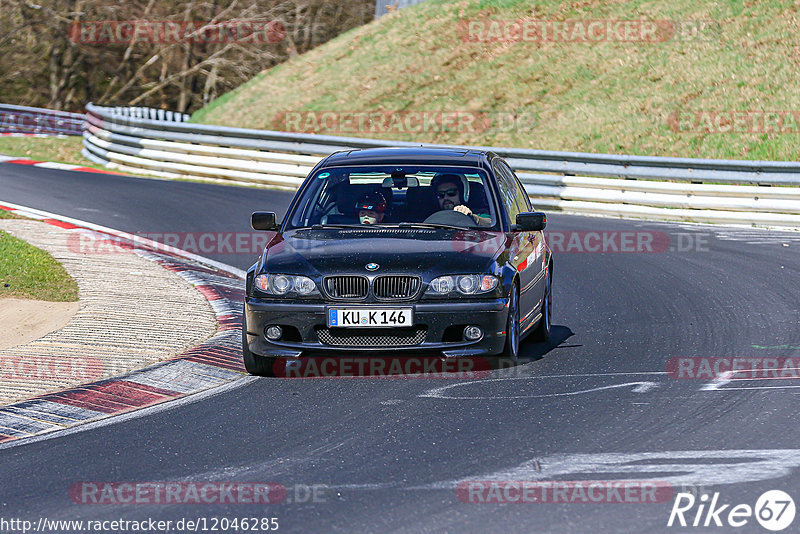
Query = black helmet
x=371 y=201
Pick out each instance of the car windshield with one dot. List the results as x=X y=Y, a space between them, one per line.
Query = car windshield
x=396 y=195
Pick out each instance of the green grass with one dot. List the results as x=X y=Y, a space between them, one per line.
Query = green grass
x=4 y=214
x=613 y=97
x=29 y=272
x=61 y=150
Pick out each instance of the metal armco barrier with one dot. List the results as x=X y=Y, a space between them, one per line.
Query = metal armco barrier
x=761 y=193
x=149 y=113
x=21 y=119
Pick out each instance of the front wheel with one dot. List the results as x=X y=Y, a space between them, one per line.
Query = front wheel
x=254 y=364
x=542 y=331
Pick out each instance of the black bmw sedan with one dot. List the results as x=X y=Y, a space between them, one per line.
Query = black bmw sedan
x=402 y=250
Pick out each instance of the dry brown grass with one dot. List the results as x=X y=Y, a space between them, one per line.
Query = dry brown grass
x=606 y=97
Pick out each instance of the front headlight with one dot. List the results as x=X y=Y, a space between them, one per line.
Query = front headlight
x=464 y=284
x=285 y=284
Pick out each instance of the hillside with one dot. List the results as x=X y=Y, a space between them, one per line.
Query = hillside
x=678 y=78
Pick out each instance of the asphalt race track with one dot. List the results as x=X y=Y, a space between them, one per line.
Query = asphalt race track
x=388 y=454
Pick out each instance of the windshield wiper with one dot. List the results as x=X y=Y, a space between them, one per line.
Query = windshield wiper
x=431 y=225
x=390 y=225
x=323 y=226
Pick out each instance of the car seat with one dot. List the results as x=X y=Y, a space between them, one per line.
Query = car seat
x=478 y=202
x=420 y=203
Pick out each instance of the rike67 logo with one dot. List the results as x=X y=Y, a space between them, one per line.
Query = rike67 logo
x=774 y=510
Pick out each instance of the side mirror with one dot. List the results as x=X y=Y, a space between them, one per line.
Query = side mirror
x=264 y=220
x=532 y=221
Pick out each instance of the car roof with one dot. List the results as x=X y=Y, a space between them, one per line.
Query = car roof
x=405 y=155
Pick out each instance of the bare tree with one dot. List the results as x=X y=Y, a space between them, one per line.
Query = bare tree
x=49 y=58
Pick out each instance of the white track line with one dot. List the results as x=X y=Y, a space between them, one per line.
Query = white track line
x=40 y=214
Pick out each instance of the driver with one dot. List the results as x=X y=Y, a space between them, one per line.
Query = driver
x=450 y=192
x=371 y=208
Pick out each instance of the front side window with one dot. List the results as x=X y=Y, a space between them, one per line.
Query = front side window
x=396 y=194
x=507 y=185
x=523 y=201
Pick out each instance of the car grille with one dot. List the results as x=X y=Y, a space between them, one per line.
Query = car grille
x=347 y=287
x=385 y=287
x=372 y=337
x=395 y=287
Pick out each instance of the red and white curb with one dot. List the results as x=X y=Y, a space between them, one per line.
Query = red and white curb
x=216 y=362
x=52 y=164
x=23 y=134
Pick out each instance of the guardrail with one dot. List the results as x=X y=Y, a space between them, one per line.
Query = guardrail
x=149 y=113
x=762 y=193
x=27 y=120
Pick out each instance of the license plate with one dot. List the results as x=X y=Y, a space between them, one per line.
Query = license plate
x=365 y=317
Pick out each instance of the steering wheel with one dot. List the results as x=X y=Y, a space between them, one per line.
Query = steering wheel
x=451 y=217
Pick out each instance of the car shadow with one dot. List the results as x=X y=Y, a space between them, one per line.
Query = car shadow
x=326 y=366
x=531 y=351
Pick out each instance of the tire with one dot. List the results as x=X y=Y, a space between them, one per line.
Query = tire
x=511 y=350
x=254 y=364
x=542 y=331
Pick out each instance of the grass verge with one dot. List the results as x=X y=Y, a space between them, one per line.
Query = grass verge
x=68 y=150
x=60 y=150
x=29 y=272
x=5 y=214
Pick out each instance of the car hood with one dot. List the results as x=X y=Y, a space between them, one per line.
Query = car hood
x=424 y=252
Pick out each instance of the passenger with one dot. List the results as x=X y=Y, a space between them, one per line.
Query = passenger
x=371 y=208
x=450 y=194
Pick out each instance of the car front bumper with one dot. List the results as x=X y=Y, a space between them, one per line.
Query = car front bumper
x=442 y=321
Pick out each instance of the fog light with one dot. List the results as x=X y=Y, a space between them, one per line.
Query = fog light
x=472 y=333
x=274 y=332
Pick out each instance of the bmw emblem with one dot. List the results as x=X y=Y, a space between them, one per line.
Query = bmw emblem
x=372 y=266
